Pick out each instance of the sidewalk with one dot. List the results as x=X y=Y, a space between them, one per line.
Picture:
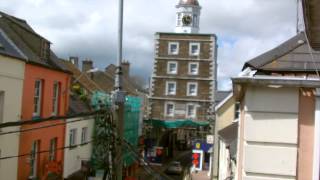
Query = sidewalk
x=201 y=175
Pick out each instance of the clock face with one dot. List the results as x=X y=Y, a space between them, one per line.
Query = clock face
x=186 y=20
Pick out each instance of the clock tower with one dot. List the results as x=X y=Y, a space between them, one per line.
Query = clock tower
x=188 y=16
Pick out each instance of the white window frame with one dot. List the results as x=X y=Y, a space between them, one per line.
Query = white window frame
x=167 y=88
x=168 y=67
x=84 y=135
x=34 y=159
x=37 y=103
x=165 y=109
x=53 y=149
x=55 y=98
x=188 y=88
x=189 y=68
x=169 y=48
x=194 y=111
x=72 y=137
x=190 y=49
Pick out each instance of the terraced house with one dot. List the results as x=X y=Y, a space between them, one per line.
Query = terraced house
x=44 y=94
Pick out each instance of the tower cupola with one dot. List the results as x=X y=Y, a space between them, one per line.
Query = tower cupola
x=188 y=16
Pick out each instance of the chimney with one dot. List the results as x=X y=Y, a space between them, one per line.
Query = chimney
x=74 y=60
x=125 y=69
x=87 y=64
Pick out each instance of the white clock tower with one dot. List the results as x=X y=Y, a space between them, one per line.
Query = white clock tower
x=188 y=16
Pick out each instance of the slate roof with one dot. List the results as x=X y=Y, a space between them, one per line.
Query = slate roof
x=7 y=22
x=84 y=80
x=291 y=56
x=221 y=95
x=8 y=48
x=76 y=106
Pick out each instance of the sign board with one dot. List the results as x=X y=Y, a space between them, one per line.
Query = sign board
x=197 y=160
x=210 y=139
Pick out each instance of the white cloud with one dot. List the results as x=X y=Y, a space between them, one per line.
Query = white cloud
x=89 y=28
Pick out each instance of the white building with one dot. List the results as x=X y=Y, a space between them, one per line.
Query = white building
x=12 y=66
x=78 y=138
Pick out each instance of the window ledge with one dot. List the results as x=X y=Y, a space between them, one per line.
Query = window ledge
x=72 y=146
x=84 y=143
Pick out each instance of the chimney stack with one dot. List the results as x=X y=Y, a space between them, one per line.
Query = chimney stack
x=87 y=64
x=74 y=60
x=125 y=69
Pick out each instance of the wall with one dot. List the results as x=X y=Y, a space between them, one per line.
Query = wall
x=74 y=156
x=225 y=116
x=11 y=83
x=33 y=72
x=269 y=132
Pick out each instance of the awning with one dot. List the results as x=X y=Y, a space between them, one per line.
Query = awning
x=229 y=133
x=171 y=124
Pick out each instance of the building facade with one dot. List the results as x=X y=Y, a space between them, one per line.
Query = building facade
x=12 y=66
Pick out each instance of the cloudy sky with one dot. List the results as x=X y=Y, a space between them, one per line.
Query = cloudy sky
x=88 y=28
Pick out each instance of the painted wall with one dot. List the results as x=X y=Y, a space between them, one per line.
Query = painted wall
x=74 y=156
x=32 y=73
x=306 y=133
x=11 y=84
x=269 y=132
x=225 y=117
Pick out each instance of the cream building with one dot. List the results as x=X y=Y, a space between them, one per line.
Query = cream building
x=12 y=66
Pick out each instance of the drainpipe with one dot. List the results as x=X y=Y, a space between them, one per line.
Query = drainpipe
x=316 y=152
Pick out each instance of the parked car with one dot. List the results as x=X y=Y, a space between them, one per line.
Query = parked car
x=174 y=168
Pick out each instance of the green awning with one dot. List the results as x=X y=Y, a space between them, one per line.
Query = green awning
x=179 y=123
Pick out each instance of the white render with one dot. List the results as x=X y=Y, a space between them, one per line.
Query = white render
x=74 y=156
x=11 y=84
x=270 y=133
x=187 y=10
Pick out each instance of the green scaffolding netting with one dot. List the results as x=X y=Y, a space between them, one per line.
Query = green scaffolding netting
x=131 y=125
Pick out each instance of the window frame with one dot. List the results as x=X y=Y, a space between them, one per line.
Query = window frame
x=166 y=110
x=56 y=98
x=194 y=111
x=72 y=137
x=37 y=111
x=190 y=48
x=34 y=158
x=169 y=48
x=2 y=103
x=167 y=88
x=188 y=88
x=53 y=149
x=189 y=68
x=168 y=67
x=84 y=135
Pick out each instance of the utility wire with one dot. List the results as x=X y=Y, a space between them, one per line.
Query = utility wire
x=40 y=120
x=311 y=54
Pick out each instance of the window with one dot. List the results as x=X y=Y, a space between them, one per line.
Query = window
x=194 y=49
x=191 y=111
x=171 y=88
x=169 y=109
x=55 y=98
x=37 y=97
x=237 y=110
x=192 y=89
x=34 y=158
x=72 y=137
x=173 y=48
x=179 y=19
x=193 y=68
x=172 y=67
x=1 y=106
x=53 y=149
x=84 y=135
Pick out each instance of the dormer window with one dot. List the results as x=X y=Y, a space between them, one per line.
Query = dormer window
x=45 y=50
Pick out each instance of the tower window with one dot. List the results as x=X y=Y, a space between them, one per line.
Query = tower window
x=171 y=88
x=179 y=19
x=173 y=48
x=192 y=89
x=172 y=67
x=194 y=49
x=193 y=68
x=191 y=111
x=169 y=109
